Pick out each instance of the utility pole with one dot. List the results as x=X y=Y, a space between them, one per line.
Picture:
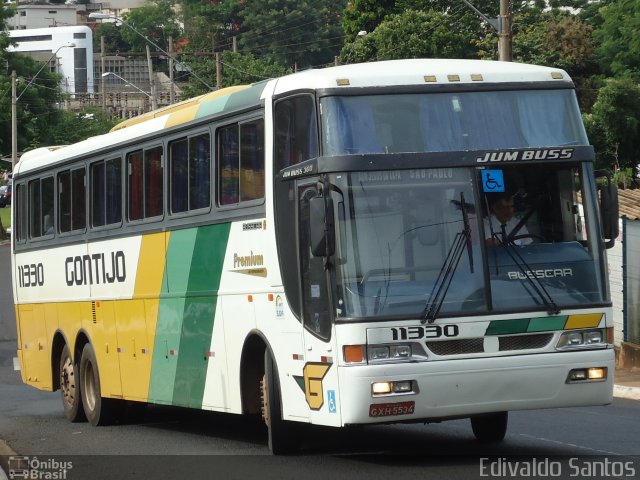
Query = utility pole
x=235 y=44
x=172 y=91
x=501 y=25
x=504 y=36
x=14 y=121
x=102 y=70
x=152 y=83
x=218 y=71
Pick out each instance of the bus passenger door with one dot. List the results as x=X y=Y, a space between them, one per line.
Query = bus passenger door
x=320 y=369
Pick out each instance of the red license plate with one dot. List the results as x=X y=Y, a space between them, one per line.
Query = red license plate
x=391 y=409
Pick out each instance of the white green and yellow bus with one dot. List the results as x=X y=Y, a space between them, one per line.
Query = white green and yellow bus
x=322 y=248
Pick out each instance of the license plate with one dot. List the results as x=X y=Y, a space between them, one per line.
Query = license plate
x=391 y=409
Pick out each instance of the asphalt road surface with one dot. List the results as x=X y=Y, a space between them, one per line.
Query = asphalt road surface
x=164 y=442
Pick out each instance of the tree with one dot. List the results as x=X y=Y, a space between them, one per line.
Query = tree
x=619 y=49
x=412 y=34
x=613 y=125
x=156 y=20
x=303 y=32
x=237 y=69
x=365 y=15
x=73 y=127
x=113 y=39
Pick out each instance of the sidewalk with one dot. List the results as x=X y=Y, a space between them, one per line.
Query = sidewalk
x=627 y=383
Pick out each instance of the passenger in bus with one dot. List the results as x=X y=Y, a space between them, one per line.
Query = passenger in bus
x=501 y=222
x=47 y=224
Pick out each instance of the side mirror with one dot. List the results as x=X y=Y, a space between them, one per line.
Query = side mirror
x=321 y=226
x=609 y=210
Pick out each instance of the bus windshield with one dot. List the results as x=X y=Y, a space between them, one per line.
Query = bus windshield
x=452 y=121
x=427 y=242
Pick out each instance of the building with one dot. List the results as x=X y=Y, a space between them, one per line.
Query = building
x=624 y=269
x=39 y=14
x=69 y=51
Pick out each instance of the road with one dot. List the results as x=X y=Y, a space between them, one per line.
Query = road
x=165 y=442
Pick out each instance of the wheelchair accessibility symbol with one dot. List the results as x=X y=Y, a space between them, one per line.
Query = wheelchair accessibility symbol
x=332 y=401
x=492 y=181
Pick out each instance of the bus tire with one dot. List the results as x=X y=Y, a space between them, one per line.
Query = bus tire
x=70 y=388
x=491 y=427
x=281 y=440
x=99 y=410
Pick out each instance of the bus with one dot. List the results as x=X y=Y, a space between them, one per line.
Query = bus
x=321 y=249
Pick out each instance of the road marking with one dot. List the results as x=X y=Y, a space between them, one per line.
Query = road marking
x=558 y=442
x=16 y=364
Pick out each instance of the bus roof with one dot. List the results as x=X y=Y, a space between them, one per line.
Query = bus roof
x=419 y=72
x=374 y=74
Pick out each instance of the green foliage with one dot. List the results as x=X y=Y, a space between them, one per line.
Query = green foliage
x=619 y=48
x=365 y=15
x=614 y=123
x=36 y=106
x=237 y=69
x=412 y=34
x=302 y=32
x=155 y=20
x=113 y=40
x=73 y=127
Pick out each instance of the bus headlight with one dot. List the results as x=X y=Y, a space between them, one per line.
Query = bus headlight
x=593 y=374
x=580 y=339
x=389 y=353
x=378 y=352
x=396 y=387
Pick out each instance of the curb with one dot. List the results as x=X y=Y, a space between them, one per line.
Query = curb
x=622 y=391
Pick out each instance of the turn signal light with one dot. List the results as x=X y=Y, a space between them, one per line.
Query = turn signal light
x=353 y=353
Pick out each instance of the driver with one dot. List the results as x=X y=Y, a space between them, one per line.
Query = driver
x=501 y=222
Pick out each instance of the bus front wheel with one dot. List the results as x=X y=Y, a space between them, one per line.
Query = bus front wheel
x=281 y=440
x=70 y=388
x=99 y=410
x=491 y=427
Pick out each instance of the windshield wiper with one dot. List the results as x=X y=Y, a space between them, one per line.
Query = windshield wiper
x=449 y=267
x=536 y=283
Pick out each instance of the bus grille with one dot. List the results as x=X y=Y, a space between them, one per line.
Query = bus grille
x=457 y=347
x=524 y=342
x=476 y=345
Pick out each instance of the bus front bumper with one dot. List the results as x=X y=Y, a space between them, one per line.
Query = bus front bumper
x=462 y=388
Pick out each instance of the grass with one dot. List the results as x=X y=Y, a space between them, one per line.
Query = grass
x=5 y=215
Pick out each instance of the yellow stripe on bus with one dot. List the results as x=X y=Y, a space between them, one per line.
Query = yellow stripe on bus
x=153 y=252
x=590 y=320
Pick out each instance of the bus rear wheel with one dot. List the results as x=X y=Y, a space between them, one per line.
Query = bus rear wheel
x=99 y=410
x=281 y=441
x=70 y=388
x=491 y=427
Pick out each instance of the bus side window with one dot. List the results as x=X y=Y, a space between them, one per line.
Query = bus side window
x=296 y=131
x=71 y=202
x=40 y=207
x=240 y=148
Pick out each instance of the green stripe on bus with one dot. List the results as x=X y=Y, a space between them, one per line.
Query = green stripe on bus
x=199 y=312
x=246 y=98
x=546 y=324
x=171 y=310
x=506 y=327
x=216 y=105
